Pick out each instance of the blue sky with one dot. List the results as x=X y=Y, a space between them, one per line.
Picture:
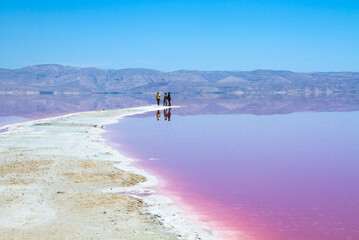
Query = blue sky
x=172 y=35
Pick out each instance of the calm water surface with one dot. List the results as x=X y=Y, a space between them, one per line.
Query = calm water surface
x=292 y=176
x=5 y=120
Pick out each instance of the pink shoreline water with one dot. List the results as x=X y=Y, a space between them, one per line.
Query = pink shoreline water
x=210 y=213
x=271 y=177
x=168 y=187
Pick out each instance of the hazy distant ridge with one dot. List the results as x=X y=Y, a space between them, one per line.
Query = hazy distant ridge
x=63 y=79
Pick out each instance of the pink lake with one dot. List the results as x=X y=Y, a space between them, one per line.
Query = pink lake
x=272 y=177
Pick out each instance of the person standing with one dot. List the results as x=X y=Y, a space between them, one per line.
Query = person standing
x=158 y=97
x=169 y=98
x=165 y=100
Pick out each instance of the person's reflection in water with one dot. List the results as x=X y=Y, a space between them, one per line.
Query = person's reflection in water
x=158 y=115
x=169 y=114
x=165 y=114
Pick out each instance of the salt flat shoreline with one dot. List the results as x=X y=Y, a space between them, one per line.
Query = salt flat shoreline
x=59 y=180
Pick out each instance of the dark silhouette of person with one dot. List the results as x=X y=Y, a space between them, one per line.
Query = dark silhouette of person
x=158 y=115
x=169 y=114
x=165 y=114
x=169 y=99
x=165 y=100
x=158 y=98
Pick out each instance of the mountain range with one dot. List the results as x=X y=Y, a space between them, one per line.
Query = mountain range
x=59 y=79
x=48 y=90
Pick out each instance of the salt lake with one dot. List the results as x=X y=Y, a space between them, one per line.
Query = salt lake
x=279 y=176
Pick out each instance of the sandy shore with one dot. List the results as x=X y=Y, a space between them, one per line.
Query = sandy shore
x=59 y=180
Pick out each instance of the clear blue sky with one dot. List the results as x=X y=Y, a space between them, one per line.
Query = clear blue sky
x=171 y=35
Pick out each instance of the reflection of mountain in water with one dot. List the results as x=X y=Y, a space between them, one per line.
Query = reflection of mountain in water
x=275 y=104
x=35 y=106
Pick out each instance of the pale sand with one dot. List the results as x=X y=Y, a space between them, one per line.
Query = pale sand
x=58 y=181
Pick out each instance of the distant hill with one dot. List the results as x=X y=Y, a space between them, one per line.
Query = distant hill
x=58 y=79
x=44 y=90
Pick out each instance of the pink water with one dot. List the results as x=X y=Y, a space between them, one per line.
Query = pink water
x=293 y=176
